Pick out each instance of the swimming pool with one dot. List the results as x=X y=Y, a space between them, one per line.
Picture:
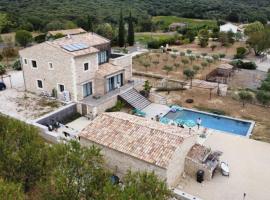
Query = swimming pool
x=217 y=122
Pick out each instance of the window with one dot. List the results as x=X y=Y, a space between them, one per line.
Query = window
x=61 y=88
x=39 y=84
x=50 y=66
x=114 y=82
x=25 y=61
x=87 y=89
x=102 y=57
x=34 y=64
x=86 y=66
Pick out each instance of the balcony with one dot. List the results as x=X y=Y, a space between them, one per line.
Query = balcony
x=96 y=100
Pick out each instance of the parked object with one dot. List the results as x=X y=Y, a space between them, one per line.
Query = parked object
x=2 y=86
x=225 y=170
x=200 y=176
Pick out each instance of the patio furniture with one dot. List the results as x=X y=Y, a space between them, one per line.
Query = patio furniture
x=139 y=113
x=225 y=170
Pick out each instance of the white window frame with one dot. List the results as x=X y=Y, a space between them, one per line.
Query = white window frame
x=32 y=64
x=84 y=66
x=49 y=66
x=41 y=82
x=58 y=87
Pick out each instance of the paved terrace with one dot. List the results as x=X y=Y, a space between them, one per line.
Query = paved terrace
x=249 y=163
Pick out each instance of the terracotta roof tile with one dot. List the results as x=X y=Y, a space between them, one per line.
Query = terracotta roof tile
x=89 y=39
x=141 y=138
x=108 y=69
x=68 y=31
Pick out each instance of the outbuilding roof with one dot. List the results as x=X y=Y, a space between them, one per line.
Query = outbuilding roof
x=141 y=138
x=67 y=31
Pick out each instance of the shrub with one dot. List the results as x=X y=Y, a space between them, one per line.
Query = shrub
x=244 y=65
x=240 y=53
x=263 y=97
x=222 y=55
x=2 y=69
x=196 y=68
x=157 y=43
x=17 y=65
x=118 y=106
x=23 y=37
x=265 y=86
x=40 y=38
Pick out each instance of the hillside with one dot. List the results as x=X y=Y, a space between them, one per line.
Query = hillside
x=24 y=12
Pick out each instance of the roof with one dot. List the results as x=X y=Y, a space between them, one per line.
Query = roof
x=89 y=39
x=198 y=152
x=177 y=24
x=67 y=31
x=141 y=138
x=225 y=66
x=229 y=27
x=108 y=69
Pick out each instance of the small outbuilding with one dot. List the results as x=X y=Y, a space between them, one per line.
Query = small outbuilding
x=178 y=25
x=134 y=143
x=201 y=158
x=66 y=32
x=229 y=27
x=221 y=74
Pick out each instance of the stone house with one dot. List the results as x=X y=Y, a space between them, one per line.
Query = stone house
x=80 y=67
x=133 y=143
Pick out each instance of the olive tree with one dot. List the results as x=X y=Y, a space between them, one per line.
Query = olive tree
x=189 y=73
x=245 y=97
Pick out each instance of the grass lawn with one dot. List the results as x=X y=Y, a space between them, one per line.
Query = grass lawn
x=167 y=20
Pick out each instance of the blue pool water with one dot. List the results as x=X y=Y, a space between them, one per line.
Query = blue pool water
x=213 y=121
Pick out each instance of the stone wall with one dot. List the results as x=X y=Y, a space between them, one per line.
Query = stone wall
x=177 y=163
x=193 y=166
x=59 y=115
x=119 y=163
x=43 y=54
x=83 y=76
x=124 y=61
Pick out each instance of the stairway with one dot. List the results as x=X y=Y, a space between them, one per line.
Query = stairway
x=135 y=99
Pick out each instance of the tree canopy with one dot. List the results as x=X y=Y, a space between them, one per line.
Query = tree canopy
x=31 y=167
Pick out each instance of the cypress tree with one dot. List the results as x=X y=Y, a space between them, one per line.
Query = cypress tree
x=130 y=31
x=121 y=32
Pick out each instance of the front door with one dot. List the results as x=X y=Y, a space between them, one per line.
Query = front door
x=84 y=109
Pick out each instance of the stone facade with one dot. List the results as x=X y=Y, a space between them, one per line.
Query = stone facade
x=60 y=73
x=120 y=163
x=177 y=163
x=56 y=68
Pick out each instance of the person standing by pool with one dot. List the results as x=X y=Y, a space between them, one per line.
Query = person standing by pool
x=199 y=122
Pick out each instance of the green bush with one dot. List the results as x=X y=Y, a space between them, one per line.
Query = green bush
x=263 y=97
x=118 y=106
x=244 y=65
x=2 y=69
x=40 y=38
x=240 y=53
x=265 y=86
x=157 y=43
x=17 y=65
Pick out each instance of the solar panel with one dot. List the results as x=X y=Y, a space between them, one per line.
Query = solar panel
x=75 y=47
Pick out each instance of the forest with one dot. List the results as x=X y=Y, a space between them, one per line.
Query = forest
x=39 y=13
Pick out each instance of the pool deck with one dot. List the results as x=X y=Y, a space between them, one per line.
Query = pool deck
x=156 y=109
x=249 y=163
